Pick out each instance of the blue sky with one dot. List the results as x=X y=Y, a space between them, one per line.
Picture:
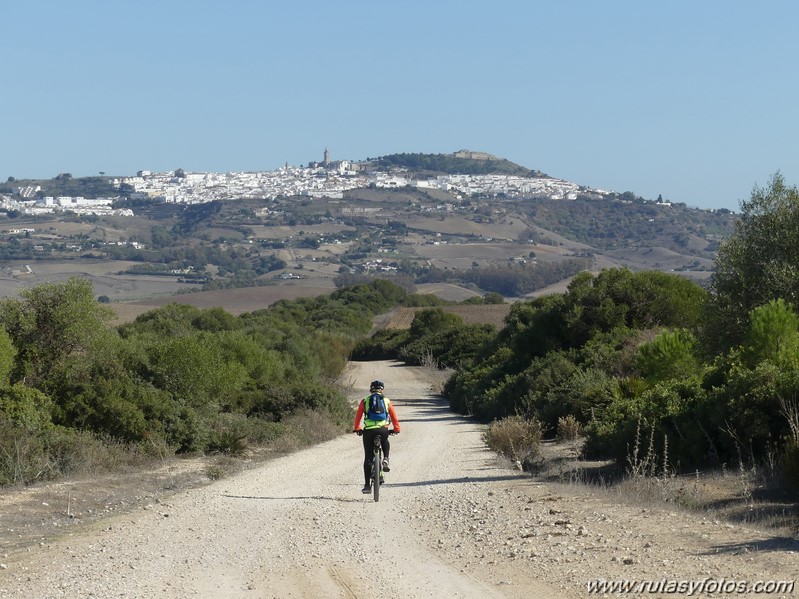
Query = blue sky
x=692 y=100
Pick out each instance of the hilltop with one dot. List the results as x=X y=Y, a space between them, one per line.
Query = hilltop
x=463 y=162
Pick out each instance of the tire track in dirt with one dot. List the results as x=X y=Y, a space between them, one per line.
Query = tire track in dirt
x=342 y=581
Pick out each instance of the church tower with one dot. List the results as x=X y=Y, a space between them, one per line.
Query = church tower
x=326 y=161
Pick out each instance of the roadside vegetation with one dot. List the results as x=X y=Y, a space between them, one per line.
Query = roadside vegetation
x=709 y=378
x=77 y=394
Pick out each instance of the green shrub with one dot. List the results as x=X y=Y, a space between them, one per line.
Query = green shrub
x=7 y=355
x=746 y=402
x=669 y=409
x=467 y=389
x=264 y=432
x=669 y=355
x=433 y=320
x=308 y=397
x=383 y=345
x=25 y=406
x=229 y=434
x=189 y=432
x=450 y=348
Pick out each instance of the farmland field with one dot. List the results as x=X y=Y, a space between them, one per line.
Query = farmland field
x=447 y=291
x=286 y=231
x=487 y=251
x=493 y=314
x=235 y=301
x=132 y=295
x=104 y=275
x=509 y=229
x=319 y=239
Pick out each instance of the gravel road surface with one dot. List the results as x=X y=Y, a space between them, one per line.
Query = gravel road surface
x=452 y=521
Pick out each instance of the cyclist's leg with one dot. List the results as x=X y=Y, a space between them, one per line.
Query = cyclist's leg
x=384 y=441
x=368 y=454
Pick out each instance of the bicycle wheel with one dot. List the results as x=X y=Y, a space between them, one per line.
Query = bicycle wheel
x=376 y=463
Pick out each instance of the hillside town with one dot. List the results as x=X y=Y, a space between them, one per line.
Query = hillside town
x=327 y=178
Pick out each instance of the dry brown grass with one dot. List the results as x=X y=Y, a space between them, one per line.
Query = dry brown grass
x=746 y=494
x=235 y=301
x=479 y=314
x=517 y=439
x=447 y=291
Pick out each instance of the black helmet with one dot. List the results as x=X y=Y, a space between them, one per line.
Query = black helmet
x=376 y=386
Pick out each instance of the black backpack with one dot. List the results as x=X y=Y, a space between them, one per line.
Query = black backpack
x=376 y=408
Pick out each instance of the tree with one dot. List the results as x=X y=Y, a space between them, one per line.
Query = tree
x=433 y=320
x=51 y=323
x=758 y=263
x=7 y=354
x=196 y=372
x=493 y=298
x=670 y=355
x=773 y=328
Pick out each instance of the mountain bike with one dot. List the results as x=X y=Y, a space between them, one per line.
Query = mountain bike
x=377 y=466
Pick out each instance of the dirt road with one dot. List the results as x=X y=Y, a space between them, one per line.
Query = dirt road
x=296 y=527
x=451 y=522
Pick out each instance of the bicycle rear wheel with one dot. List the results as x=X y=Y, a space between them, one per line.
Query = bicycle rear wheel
x=376 y=464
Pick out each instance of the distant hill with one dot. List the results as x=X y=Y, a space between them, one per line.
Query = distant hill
x=464 y=162
x=65 y=185
x=609 y=224
x=450 y=242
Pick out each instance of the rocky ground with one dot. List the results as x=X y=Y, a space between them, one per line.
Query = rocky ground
x=453 y=521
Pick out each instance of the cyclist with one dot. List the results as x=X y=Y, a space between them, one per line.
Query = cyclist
x=376 y=420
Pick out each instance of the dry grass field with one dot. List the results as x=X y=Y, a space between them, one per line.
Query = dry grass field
x=509 y=229
x=493 y=314
x=286 y=231
x=447 y=291
x=104 y=275
x=656 y=258
x=235 y=301
x=483 y=251
x=112 y=228
x=249 y=299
